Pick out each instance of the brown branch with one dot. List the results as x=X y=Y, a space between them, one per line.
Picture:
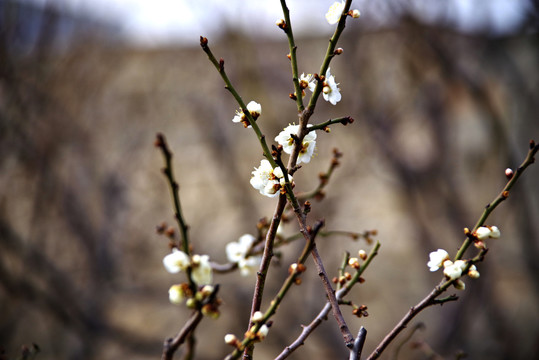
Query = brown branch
x=172 y=344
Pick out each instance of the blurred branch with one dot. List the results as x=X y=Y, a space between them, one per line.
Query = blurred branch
x=430 y=299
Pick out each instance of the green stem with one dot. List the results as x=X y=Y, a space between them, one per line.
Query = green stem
x=219 y=65
x=530 y=158
x=293 y=58
x=330 y=53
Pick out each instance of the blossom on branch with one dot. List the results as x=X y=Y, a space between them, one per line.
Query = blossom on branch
x=254 y=108
x=201 y=269
x=334 y=13
x=437 y=258
x=176 y=261
x=485 y=232
x=453 y=270
x=267 y=180
x=176 y=294
x=238 y=252
x=330 y=91
x=286 y=140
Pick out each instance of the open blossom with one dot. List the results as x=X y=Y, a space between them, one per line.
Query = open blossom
x=201 y=269
x=485 y=232
x=237 y=252
x=334 y=13
x=254 y=108
x=176 y=261
x=453 y=270
x=286 y=140
x=307 y=81
x=330 y=91
x=268 y=180
x=437 y=258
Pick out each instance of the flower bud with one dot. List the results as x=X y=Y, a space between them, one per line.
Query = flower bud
x=257 y=316
x=355 y=13
x=509 y=173
x=362 y=254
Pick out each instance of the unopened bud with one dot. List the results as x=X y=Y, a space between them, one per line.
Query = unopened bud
x=355 y=13
x=362 y=254
x=257 y=316
x=509 y=173
x=281 y=23
x=338 y=51
x=231 y=339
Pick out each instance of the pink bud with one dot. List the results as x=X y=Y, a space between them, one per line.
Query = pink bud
x=509 y=173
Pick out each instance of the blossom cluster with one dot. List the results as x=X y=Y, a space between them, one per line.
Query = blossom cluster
x=201 y=274
x=330 y=89
x=238 y=252
x=267 y=180
x=455 y=270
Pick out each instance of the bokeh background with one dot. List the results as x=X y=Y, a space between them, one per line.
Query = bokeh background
x=444 y=95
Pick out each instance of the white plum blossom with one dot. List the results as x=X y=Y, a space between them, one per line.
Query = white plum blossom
x=176 y=261
x=437 y=258
x=176 y=294
x=237 y=252
x=286 y=140
x=307 y=81
x=334 y=13
x=267 y=180
x=485 y=232
x=453 y=270
x=330 y=91
x=254 y=108
x=201 y=269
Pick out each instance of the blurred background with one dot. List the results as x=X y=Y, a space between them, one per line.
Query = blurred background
x=444 y=97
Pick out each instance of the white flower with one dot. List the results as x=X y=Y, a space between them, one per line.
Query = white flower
x=334 y=13
x=331 y=92
x=485 y=232
x=453 y=270
x=255 y=109
x=286 y=140
x=176 y=261
x=437 y=258
x=267 y=180
x=201 y=269
x=176 y=294
x=237 y=252
x=307 y=81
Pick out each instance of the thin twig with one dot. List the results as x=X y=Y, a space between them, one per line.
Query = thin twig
x=171 y=345
x=322 y=315
x=355 y=352
x=430 y=299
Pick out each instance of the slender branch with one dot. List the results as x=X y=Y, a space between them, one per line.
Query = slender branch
x=265 y=263
x=322 y=126
x=430 y=299
x=330 y=53
x=220 y=66
x=174 y=189
x=355 y=352
x=287 y=28
x=171 y=345
x=274 y=304
x=322 y=315
x=530 y=158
